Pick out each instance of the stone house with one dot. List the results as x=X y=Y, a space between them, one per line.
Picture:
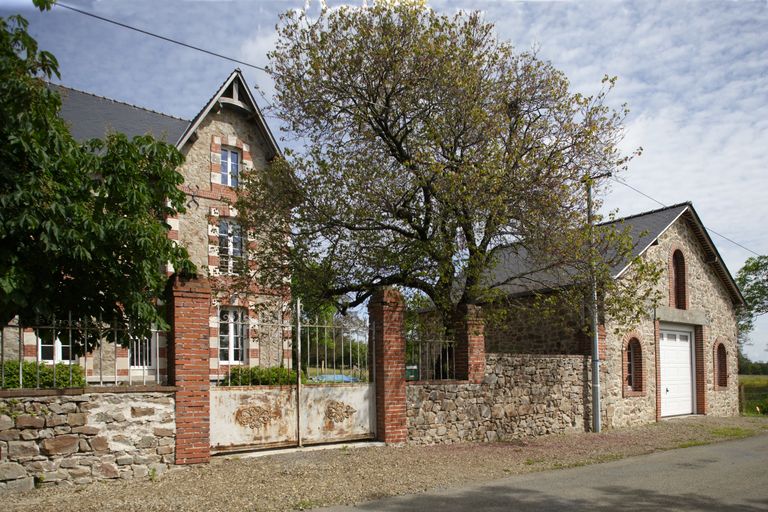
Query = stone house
x=526 y=378
x=682 y=359
x=228 y=135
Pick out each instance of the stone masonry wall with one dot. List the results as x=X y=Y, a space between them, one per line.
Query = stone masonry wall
x=521 y=396
x=525 y=330
x=707 y=299
x=76 y=439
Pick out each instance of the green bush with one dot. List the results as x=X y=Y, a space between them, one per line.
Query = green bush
x=257 y=376
x=30 y=375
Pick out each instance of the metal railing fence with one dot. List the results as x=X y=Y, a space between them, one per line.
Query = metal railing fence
x=430 y=358
x=76 y=352
x=268 y=345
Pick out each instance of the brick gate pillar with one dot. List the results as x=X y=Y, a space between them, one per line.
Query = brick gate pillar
x=385 y=311
x=469 y=329
x=188 y=361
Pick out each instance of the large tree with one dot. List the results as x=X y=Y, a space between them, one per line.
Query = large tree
x=752 y=279
x=82 y=225
x=433 y=155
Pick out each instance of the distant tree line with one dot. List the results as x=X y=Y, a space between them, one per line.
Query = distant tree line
x=749 y=367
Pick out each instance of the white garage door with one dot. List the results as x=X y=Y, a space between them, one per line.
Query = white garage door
x=676 y=373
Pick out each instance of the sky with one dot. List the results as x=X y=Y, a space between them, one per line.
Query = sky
x=694 y=74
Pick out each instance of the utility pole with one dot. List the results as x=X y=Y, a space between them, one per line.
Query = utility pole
x=593 y=306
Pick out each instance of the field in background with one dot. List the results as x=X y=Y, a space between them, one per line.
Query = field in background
x=753 y=391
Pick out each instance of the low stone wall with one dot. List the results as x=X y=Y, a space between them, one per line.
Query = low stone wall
x=522 y=396
x=79 y=438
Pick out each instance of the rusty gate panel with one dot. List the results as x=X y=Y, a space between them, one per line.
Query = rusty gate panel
x=337 y=412
x=253 y=416
x=331 y=400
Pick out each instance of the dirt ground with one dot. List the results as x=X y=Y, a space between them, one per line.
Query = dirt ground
x=307 y=479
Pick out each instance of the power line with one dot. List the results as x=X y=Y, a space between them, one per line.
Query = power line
x=705 y=227
x=158 y=36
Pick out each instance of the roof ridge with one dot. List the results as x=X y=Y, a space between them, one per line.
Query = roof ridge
x=119 y=102
x=648 y=212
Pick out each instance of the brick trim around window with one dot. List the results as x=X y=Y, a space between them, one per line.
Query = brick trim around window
x=677 y=270
x=634 y=369
x=227 y=141
x=720 y=365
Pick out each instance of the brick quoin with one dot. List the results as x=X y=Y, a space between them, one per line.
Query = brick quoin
x=700 y=335
x=386 y=311
x=469 y=329
x=188 y=367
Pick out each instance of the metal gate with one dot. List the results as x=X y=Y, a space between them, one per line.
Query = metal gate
x=297 y=382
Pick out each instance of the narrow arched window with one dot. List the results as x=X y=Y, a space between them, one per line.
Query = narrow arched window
x=721 y=366
x=633 y=366
x=678 y=280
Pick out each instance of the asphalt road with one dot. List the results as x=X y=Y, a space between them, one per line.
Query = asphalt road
x=729 y=476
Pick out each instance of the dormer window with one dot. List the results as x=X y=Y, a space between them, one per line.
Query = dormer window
x=678 y=290
x=230 y=167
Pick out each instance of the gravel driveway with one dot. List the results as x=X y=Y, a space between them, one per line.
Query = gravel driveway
x=302 y=480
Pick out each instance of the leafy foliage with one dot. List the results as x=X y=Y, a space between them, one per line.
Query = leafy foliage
x=30 y=371
x=82 y=224
x=435 y=155
x=752 y=279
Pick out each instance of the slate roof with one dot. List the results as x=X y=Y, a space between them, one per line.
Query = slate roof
x=645 y=228
x=90 y=116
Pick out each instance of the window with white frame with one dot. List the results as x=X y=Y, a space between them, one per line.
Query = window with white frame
x=230 y=167
x=233 y=329
x=54 y=351
x=230 y=246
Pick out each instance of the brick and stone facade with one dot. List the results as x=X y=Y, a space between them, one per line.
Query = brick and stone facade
x=710 y=313
x=229 y=124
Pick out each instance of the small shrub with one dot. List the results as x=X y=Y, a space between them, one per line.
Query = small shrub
x=258 y=376
x=30 y=370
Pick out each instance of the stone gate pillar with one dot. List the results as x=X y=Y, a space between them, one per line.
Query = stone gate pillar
x=188 y=366
x=386 y=310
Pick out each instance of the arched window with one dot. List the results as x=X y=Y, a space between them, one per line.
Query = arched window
x=633 y=368
x=678 y=288
x=721 y=366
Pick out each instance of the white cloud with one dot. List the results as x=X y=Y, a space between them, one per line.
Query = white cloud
x=254 y=50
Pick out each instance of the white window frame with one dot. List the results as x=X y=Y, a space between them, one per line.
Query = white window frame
x=232 y=245
x=237 y=325
x=57 y=346
x=230 y=171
